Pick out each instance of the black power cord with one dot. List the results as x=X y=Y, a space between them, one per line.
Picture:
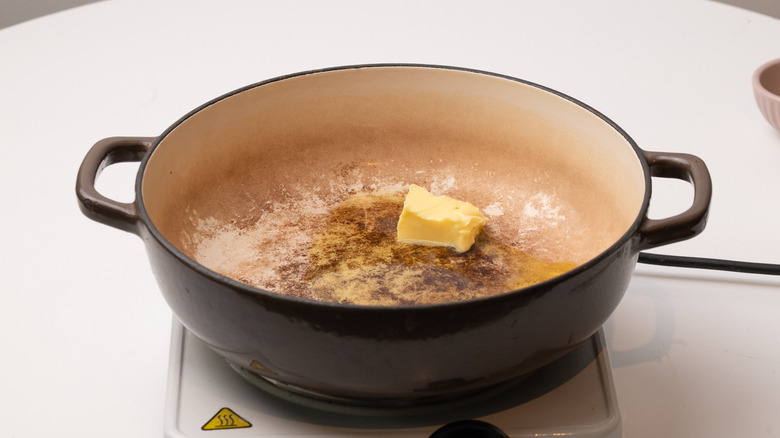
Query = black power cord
x=705 y=263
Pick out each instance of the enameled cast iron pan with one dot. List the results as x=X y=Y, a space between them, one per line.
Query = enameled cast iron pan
x=556 y=178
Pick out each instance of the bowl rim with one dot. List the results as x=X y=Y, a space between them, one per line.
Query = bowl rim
x=535 y=289
x=759 y=86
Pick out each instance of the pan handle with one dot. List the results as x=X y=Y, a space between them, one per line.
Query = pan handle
x=97 y=207
x=656 y=232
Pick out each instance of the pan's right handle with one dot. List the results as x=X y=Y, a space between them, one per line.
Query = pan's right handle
x=656 y=232
x=121 y=215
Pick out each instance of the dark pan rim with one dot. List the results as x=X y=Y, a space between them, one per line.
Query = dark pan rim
x=535 y=289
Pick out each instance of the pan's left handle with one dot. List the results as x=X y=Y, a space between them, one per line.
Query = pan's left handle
x=121 y=215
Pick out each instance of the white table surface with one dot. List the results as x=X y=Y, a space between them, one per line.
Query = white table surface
x=84 y=332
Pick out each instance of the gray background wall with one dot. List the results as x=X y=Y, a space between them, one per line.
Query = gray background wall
x=17 y=11
x=768 y=7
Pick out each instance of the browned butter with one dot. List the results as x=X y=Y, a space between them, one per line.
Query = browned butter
x=356 y=259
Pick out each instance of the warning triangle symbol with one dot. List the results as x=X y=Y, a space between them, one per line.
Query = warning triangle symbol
x=225 y=419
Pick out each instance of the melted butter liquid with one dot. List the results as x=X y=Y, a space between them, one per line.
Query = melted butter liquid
x=356 y=259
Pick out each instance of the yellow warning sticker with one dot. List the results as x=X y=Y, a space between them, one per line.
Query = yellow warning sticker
x=226 y=419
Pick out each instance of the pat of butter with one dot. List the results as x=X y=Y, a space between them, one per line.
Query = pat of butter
x=438 y=220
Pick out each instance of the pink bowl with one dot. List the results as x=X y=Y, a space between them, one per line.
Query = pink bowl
x=766 y=88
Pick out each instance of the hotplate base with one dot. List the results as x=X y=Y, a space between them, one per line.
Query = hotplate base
x=574 y=397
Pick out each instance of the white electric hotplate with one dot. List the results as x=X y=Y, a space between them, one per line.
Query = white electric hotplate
x=573 y=397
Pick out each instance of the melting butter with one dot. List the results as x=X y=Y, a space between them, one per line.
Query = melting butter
x=438 y=220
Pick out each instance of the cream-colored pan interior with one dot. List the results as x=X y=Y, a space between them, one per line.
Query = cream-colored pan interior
x=553 y=178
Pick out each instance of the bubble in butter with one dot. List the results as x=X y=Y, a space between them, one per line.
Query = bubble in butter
x=431 y=220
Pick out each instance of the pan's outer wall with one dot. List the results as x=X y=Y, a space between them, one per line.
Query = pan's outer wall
x=394 y=353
